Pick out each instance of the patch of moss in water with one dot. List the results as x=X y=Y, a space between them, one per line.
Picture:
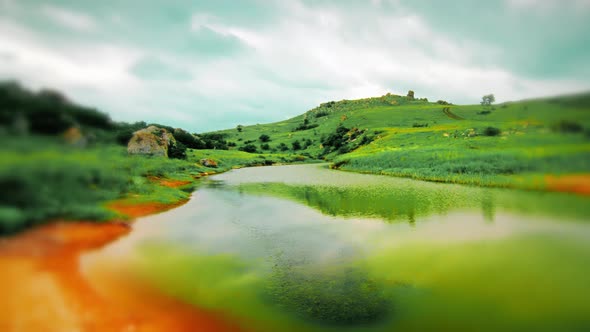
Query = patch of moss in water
x=337 y=296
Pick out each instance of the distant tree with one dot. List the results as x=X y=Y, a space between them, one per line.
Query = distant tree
x=265 y=146
x=411 y=94
x=487 y=100
x=240 y=128
x=283 y=147
x=264 y=138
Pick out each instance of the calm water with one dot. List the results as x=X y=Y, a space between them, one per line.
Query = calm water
x=293 y=248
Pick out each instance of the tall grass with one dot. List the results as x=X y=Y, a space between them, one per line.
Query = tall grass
x=42 y=180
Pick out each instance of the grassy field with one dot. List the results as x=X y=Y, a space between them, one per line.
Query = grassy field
x=44 y=179
x=515 y=144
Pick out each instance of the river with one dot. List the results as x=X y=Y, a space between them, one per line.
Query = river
x=305 y=248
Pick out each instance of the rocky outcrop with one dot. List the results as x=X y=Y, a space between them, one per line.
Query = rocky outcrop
x=152 y=141
x=209 y=163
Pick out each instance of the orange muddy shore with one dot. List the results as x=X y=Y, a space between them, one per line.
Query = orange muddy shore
x=576 y=183
x=46 y=291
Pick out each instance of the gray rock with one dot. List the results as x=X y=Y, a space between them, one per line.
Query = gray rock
x=152 y=141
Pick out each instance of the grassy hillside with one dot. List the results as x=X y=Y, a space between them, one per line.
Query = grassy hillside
x=513 y=144
x=60 y=160
x=63 y=161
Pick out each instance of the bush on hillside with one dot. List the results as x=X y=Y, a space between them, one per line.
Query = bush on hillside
x=189 y=140
x=214 y=141
x=177 y=151
x=320 y=114
x=566 y=126
x=491 y=131
x=250 y=148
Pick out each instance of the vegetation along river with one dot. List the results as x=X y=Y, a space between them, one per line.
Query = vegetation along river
x=305 y=248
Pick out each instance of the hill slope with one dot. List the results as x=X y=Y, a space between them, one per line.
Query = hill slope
x=514 y=144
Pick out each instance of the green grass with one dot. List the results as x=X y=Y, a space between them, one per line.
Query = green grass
x=44 y=180
x=392 y=135
x=228 y=159
x=509 y=145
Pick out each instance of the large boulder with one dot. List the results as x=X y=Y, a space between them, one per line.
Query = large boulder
x=152 y=141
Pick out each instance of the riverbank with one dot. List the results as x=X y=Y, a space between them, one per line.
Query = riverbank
x=578 y=183
x=49 y=292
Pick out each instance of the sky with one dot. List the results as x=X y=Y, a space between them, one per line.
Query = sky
x=204 y=65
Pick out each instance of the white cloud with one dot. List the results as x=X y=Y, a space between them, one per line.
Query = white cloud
x=93 y=74
x=362 y=54
x=69 y=19
x=307 y=56
x=547 y=6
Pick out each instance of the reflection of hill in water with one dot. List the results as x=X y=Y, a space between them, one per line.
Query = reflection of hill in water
x=408 y=202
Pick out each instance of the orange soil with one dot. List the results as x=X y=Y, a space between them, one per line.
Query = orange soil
x=168 y=183
x=579 y=184
x=46 y=291
x=136 y=210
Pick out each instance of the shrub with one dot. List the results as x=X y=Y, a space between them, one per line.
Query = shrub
x=419 y=125
x=320 y=114
x=283 y=147
x=296 y=145
x=265 y=146
x=188 y=139
x=248 y=148
x=177 y=151
x=305 y=125
x=566 y=126
x=214 y=141
x=264 y=138
x=491 y=131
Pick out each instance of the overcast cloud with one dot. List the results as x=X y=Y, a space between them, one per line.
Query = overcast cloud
x=205 y=65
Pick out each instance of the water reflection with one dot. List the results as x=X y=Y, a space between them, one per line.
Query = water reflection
x=397 y=200
x=303 y=248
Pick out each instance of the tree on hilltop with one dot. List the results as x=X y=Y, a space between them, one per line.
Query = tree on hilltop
x=488 y=100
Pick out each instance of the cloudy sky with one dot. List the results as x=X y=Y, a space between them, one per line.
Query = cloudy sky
x=205 y=65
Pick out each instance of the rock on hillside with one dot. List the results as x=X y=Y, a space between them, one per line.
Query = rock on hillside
x=152 y=140
x=209 y=162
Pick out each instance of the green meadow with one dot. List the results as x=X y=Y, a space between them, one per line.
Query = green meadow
x=513 y=144
x=46 y=176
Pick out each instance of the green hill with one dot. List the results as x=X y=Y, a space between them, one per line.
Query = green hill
x=47 y=175
x=512 y=144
